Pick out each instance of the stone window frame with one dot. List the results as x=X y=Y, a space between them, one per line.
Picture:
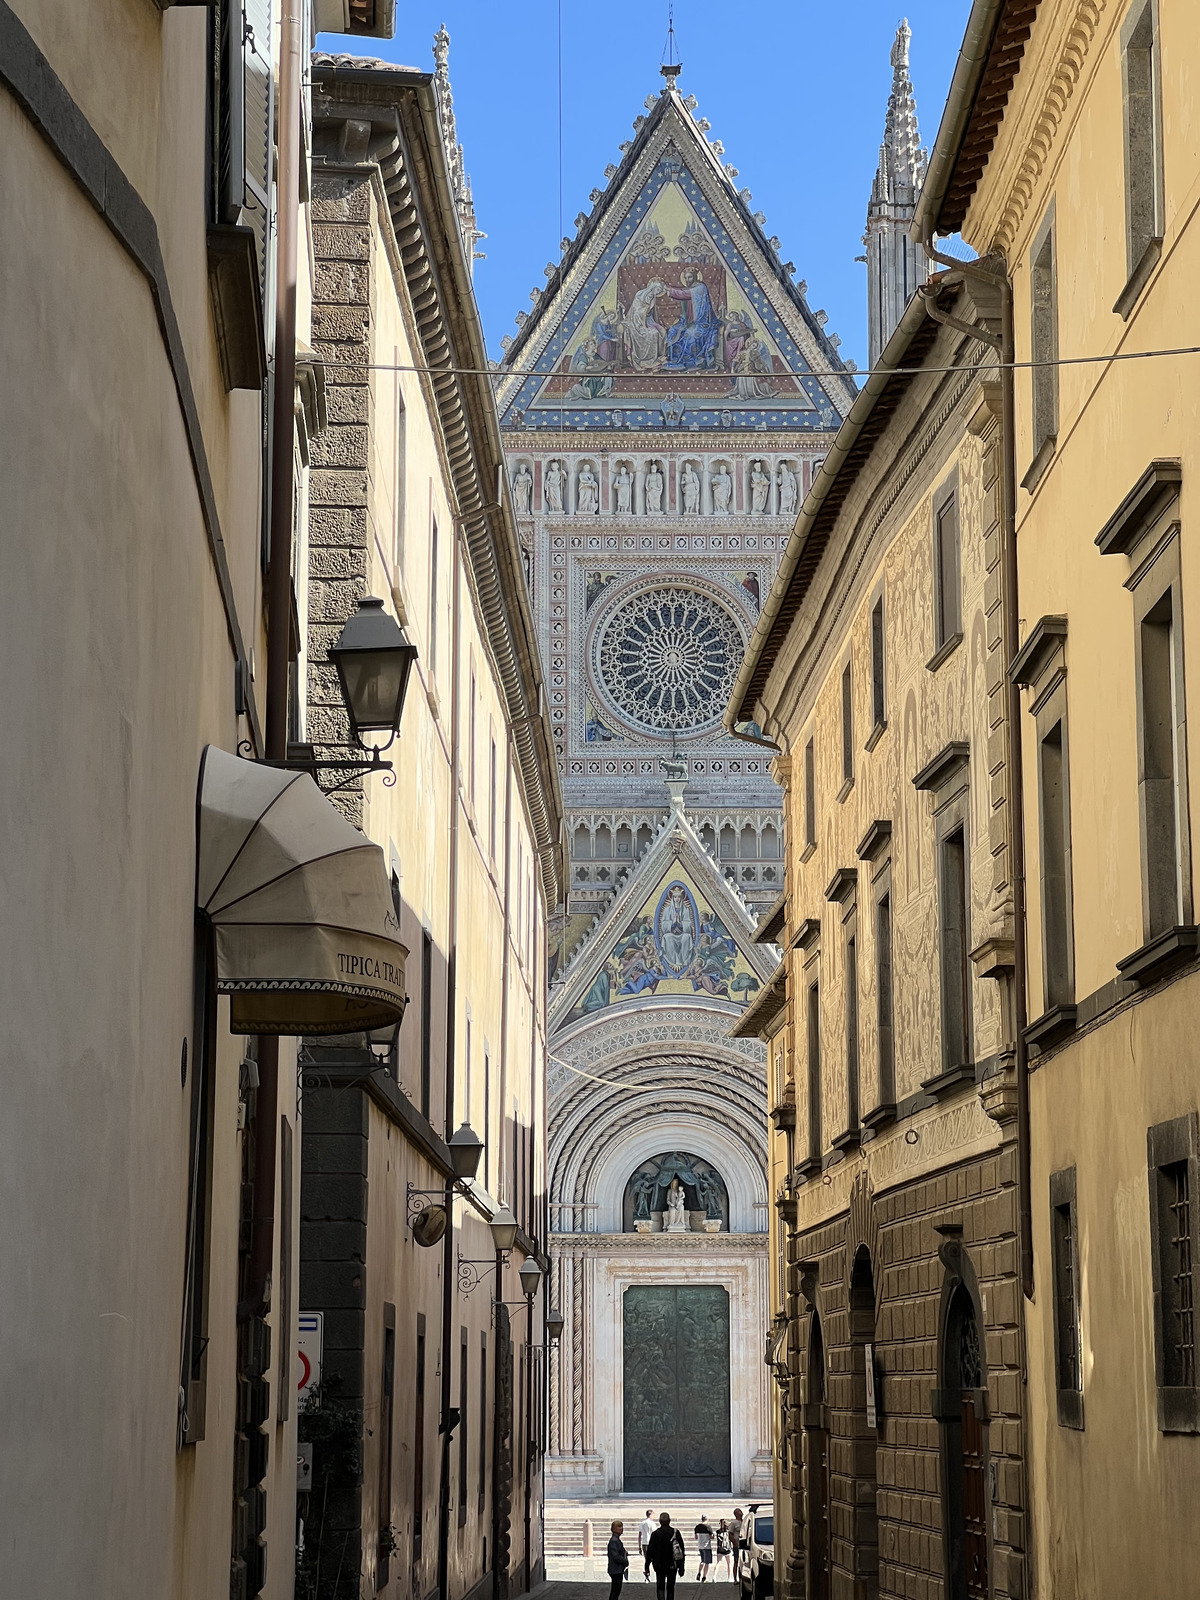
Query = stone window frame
x=810 y=797
x=946 y=638
x=843 y=893
x=1043 y=346
x=876 y=848
x=1146 y=529
x=1040 y=667
x=1142 y=142
x=877 y=626
x=1065 y=1277
x=948 y=778
x=846 y=723
x=1170 y=1145
x=808 y=941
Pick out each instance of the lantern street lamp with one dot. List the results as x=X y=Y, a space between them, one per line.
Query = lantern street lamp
x=374 y=661
x=466 y=1152
x=555 y=1323
x=530 y=1276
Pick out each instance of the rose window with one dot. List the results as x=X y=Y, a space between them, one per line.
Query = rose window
x=666 y=659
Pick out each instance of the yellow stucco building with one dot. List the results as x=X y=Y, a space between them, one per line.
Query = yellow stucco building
x=1069 y=150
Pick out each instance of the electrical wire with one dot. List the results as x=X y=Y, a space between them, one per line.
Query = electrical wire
x=831 y=372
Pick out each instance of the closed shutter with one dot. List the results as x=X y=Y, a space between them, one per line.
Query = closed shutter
x=245 y=129
x=259 y=124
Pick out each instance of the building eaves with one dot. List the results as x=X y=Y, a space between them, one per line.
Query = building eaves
x=988 y=61
x=851 y=449
x=419 y=188
x=668 y=100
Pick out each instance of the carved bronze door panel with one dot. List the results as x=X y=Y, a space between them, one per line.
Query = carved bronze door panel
x=676 y=1389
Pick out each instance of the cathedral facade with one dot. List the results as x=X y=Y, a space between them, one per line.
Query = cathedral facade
x=664 y=407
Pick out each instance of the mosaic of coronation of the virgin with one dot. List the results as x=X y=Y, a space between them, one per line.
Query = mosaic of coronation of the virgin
x=665 y=404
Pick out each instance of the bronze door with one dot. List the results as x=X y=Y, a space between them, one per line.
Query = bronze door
x=974 y=1500
x=676 y=1389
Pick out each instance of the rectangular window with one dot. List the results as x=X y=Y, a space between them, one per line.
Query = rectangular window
x=1057 y=962
x=418 y=1467
x=471 y=744
x=200 y=1066
x=1160 y=765
x=467 y=1084
x=955 y=940
x=492 y=801
x=433 y=594
x=814 y=1072
x=1140 y=70
x=883 y=1000
x=810 y=796
x=852 y=1102
x=426 y=1022
x=462 y=1427
x=483 y=1419
x=1172 y=1149
x=401 y=467
x=386 y=1408
x=948 y=577
x=847 y=726
x=1043 y=283
x=878 y=699
x=286 y=1267
x=1065 y=1261
x=487 y=1120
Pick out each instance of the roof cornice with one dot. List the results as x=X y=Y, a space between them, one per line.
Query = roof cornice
x=418 y=183
x=988 y=61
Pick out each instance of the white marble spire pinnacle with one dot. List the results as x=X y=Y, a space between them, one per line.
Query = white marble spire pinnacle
x=896 y=266
x=459 y=178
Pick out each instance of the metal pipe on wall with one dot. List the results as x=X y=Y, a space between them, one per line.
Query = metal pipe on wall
x=279 y=597
x=449 y=1275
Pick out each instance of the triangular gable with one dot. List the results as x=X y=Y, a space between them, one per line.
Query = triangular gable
x=676 y=929
x=670 y=307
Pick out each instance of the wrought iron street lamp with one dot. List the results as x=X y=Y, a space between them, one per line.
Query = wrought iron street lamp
x=373 y=659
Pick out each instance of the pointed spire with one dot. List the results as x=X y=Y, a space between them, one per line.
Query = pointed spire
x=459 y=181
x=896 y=266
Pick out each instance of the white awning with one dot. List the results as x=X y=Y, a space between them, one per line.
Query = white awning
x=305 y=931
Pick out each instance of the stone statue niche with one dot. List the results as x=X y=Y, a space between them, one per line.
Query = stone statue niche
x=676 y=1193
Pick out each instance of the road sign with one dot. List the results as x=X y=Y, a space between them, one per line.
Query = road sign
x=310 y=1334
x=304 y=1466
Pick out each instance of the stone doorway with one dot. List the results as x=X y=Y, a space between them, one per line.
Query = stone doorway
x=676 y=1389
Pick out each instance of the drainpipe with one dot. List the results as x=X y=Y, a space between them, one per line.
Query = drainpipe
x=279 y=605
x=449 y=1274
x=1008 y=413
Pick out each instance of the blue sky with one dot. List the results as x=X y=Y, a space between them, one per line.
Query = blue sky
x=796 y=91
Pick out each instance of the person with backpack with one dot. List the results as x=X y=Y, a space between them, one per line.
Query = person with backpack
x=618 y=1561
x=704 y=1546
x=666 y=1555
x=723 y=1547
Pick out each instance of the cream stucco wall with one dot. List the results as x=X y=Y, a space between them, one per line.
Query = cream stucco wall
x=116 y=651
x=1112 y=1503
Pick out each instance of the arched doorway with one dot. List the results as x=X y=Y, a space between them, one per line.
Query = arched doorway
x=864 y=1434
x=962 y=1413
x=816 y=1432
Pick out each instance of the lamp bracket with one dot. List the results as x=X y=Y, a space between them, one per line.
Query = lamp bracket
x=472 y=1273
x=417 y=1198
x=352 y=769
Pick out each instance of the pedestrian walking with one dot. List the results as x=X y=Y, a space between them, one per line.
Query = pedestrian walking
x=704 y=1546
x=645 y=1528
x=618 y=1561
x=723 y=1547
x=666 y=1553
x=737 y=1535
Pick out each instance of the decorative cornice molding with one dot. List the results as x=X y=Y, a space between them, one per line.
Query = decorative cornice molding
x=666 y=1244
x=1081 y=30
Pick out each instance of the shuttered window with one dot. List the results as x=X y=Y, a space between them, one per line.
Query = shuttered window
x=242 y=121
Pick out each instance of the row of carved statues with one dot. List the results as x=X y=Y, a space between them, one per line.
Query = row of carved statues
x=694 y=477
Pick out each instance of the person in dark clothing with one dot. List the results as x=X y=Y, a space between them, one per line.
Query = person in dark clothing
x=666 y=1556
x=618 y=1561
